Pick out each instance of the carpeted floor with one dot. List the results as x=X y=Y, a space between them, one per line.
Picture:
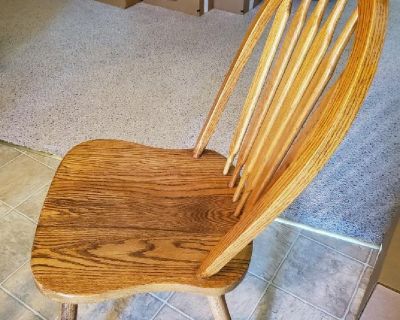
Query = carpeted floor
x=72 y=70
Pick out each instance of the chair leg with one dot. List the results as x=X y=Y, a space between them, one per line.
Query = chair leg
x=219 y=307
x=69 y=311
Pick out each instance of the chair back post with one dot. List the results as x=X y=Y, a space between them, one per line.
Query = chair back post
x=251 y=38
x=319 y=128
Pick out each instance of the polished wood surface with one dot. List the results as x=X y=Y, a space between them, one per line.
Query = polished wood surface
x=285 y=110
x=285 y=87
x=244 y=142
x=271 y=45
x=121 y=218
x=317 y=140
x=254 y=33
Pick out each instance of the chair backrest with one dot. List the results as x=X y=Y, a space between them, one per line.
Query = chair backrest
x=293 y=119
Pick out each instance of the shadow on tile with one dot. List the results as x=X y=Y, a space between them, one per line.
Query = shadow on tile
x=21 y=177
x=320 y=276
x=277 y=304
x=138 y=307
x=12 y=309
x=16 y=236
x=21 y=285
x=270 y=248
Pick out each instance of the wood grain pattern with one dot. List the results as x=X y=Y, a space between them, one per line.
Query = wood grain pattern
x=267 y=141
x=269 y=90
x=271 y=45
x=296 y=61
x=320 y=137
x=284 y=135
x=122 y=218
x=267 y=9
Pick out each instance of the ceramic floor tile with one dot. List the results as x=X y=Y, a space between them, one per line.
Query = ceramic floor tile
x=355 y=304
x=48 y=160
x=320 y=276
x=270 y=248
x=358 y=252
x=197 y=306
x=33 y=205
x=16 y=236
x=4 y=209
x=7 y=153
x=243 y=300
x=20 y=178
x=11 y=309
x=373 y=258
x=21 y=285
x=279 y=305
x=168 y=313
x=139 y=307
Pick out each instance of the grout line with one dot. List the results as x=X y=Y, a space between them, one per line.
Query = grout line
x=159 y=298
x=37 y=160
x=305 y=301
x=26 y=217
x=179 y=311
x=9 y=161
x=327 y=233
x=335 y=250
x=269 y=283
x=9 y=208
x=369 y=257
x=32 y=194
x=20 y=214
x=259 y=300
x=355 y=290
x=365 y=264
x=284 y=258
x=158 y=311
x=258 y=277
x=24 y=149
x=23 y=303
x=28 y=197
x=164 y=301
x=14 y=272
x=373 y=263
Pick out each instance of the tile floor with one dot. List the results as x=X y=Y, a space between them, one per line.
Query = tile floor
x=293 y=275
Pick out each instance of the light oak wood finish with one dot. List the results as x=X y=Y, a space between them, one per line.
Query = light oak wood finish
x=316 y=142
x=219 y=308
x=272 y=129
x=264 y=64
x=69 y=311
x=282 y=136
x=122 y=218
x=297 y=58
x=268 y=92
x=251 y=38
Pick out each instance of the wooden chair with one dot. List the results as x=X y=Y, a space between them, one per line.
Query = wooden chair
x=122 y=218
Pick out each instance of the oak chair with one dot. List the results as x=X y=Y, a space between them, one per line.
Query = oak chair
x=122 y=218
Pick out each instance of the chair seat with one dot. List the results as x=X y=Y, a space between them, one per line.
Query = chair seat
x=121 y=218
